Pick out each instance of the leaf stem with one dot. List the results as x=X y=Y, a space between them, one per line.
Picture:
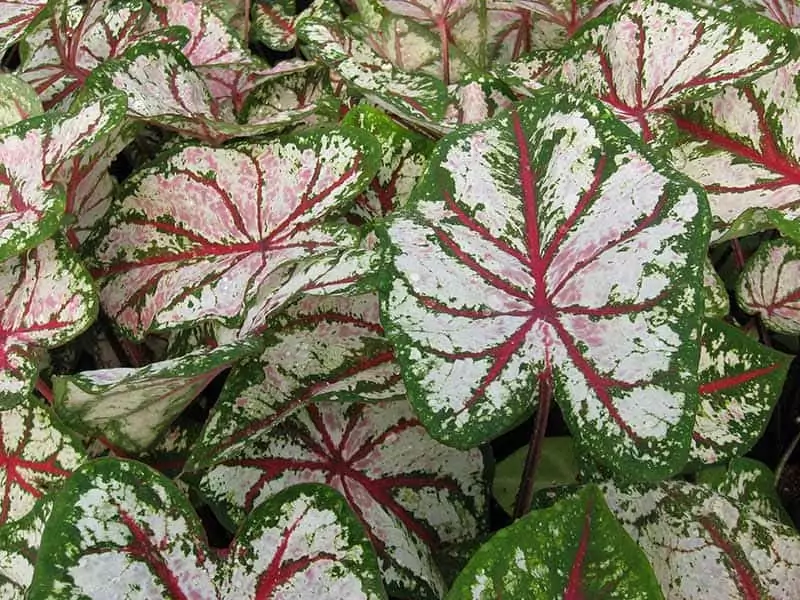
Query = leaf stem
x=525 y=493
x=44 y=390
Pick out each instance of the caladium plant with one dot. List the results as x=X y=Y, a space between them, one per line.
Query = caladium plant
x=280 y=282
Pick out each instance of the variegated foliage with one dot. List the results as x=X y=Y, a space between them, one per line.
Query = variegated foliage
x=785 y=12
x=19 y=549
x=15 y=18
x=199 y=235
x=121 y=522
x=547 y=241
x=574 y=549
x=555 y=21
x=18 y=100
x=411 y=493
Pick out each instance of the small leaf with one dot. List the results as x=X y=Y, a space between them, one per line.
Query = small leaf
x=717 y=303
x=575 y=549
x=411 y=493
x=169 y=259
x=18 y=100
x=19 y=548
x=46 y=299
x=15 y=18
x=274 y=24
x=120 y=521
x=740 y=382
x=527 y=247
x=37 y=455
x=769 y=285
x=131 y=408
x=557 y=466
x=322 y=348
x=681 y=526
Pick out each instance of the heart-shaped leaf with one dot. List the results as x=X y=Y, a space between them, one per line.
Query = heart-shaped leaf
x=169 y=259
x=31 y=151
x=322 y=348
x=769 y=285
x=651 y=56
x=19 y=548
x=740 y=382
x=46 y=299
x=744 y=148
x=37 y=455
x=132 y=408
x=547 y=240
x=121 y=522
x=18 y=100
x=411 y=493
x=574 y=549
x=680 y=526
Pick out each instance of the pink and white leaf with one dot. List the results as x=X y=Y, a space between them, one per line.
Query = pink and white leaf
x=133 y=407
x=527 y=249
x=565 y=18
x=274 y=25
x=169 y=259
x=740 y=382
x=19 y=547
x=654 y=56
x=15 y=18
x=744 y=148
x=680 y=526
x=46 y=299
x=412 y=493
x=31 y=204
x=38 y=455
x=18 y=100
x=327 y=348
x=785 y=12
x=769 y=285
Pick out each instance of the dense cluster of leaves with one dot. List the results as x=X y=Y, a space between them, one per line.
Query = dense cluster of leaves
x=290 y=270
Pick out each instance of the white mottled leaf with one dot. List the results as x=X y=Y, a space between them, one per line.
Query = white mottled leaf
x=19 y=547
x=717 y=302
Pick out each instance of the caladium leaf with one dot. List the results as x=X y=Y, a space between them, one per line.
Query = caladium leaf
x=322 y=348
x=38 y=455
x=743 y=146
x=405 y=155
x=526 y=248
x=165 y=264
x=682 y=51
x=74 y=39
x=46 y=299
x=19 y=547
x=574 y=549
x=740 y=382
x=274 y=24
x=474 y=100
x=769 y=285
x=15 y=18
x=785 y=12
x=717 y=303
x=556 y=21
x=412 y=493
x=680 y=526
x=18 y=100
x=132 y=408
x=121 y=521
x=31 y=151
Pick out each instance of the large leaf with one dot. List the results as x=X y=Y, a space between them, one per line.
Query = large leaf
x=740 y=382
x=547 y=241
x=411 y=493
x=574 y=549
x=167 y=259
x=702 y=544
x=132 y=408
x=769 y=285
x=121 y=522
x=46 y=299
x=322 y=348
x=651 y=56
x=31 y=151
x=37 y=455
x=19 y=548
x=743 y=146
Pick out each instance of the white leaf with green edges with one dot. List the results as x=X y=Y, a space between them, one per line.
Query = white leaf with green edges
x=199 y=234
x=19 y=547
x=702 y=544
x=322 y=348
x=18 y=100
x=740 y=382
x=651 y=56
x=412 y=494
x=574 y=549
x=132 y=407
x=31 y=204
x=769 y=285
x=38 y=454
x=122 y=522
x=46 y=299
x=548 y=239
